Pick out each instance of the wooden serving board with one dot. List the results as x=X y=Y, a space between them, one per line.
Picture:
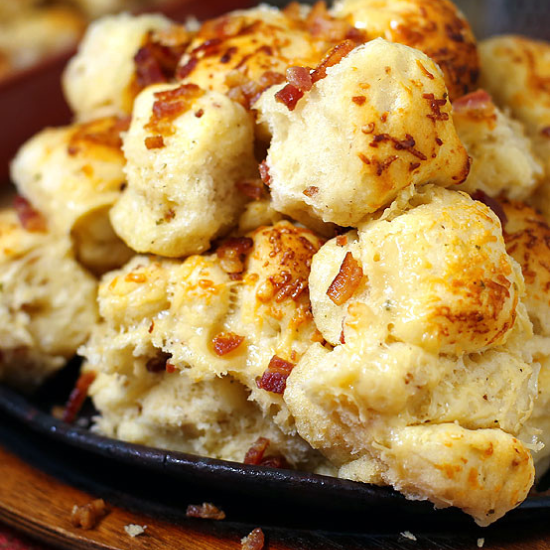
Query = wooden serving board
x=40 y=505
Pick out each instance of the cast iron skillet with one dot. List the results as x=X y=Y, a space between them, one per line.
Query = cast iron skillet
x=279 y=487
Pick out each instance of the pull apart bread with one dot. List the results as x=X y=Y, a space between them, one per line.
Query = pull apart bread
x=308 y=235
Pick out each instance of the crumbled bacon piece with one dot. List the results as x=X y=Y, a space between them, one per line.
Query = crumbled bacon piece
x=170 y=104
x=477 y=106
x=78 y=396
x=346 y=282
x=170 y=368
x=154 y=142
x=223 y=27
x=148 y=68
x=206 y=510
x=333 y=57
x=158 y=363
x=299 y=77
x=359 y=100
x=232 y=253
x=342 y=240
x=255 y=540
x=226 y=342
x=87 y=517
x=264 y=172
x=383 y=165
x=253 y=189
x=274 y=377
x=546 y=132
x=493 y=204
x=185 y=70
x=30 y=219
x=407 y=144
x=255 y=454
x=289 y=96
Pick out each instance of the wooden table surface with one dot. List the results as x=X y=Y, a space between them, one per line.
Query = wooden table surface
x=39 y=504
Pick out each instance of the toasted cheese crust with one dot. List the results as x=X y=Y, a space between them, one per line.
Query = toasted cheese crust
x=377 y=139
x=435 y=27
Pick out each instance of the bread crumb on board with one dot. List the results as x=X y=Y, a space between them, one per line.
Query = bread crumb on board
x=480 y=543
x=408 y=535
x=206 y=510
x=134 y=530
x=88 y=516
x=255 y=540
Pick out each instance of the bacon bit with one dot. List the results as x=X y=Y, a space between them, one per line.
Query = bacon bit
x=270 y=78
x=226 y=342
x=439 y=141
x=346 y=282
x=185 y=70
x=158 y=363
x=493 y=204
x=169 y=105
x=424 y=70
x=299 y=77
x=255 y=540
x=253 y=189
x=333 y=57
x=206 y=510
x=135 y=278
x=151 y=327
x=264 y=172
x=384 y=117
x=154 y=142
x=359 y=99
x=435 y=106
x=169 y=215
x=413 y=166
x=274 y=377
x=170 y=368
x=224 y=27
x=255 y=454
x=77 y=396
x=311 y=191
x=199 y=113
x=274 y=462
x=289 y=96
x=148 y=69
x=208 y=48
x=232 y=253
x=30 y=219
x=546 y=132
x=342 y=240
x=87 y=517
x=477 y=105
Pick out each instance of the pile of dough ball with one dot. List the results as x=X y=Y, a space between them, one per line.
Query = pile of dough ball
x=311 y=238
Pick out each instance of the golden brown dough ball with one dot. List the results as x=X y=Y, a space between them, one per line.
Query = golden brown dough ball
x=515 y=71
x=435 y=27
x=436 y=274
x=186 y=151
x=47 y=301
x=73 y=175
x=423 y=308
x=98 y=79
x=503 y=161
x=378 y=122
